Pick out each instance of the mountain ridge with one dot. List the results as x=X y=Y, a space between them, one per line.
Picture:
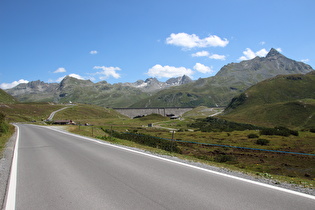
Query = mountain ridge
x=231 y=80
x=218 y=90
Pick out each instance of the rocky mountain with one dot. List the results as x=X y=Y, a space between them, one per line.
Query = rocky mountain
x=85 y=91
x=218 y=90
x=231 y=80
x=260 y=68
x=34 y=91
x=284 y=100
x=154 y=85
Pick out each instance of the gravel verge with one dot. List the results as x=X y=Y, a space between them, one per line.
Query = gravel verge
x=5 y=167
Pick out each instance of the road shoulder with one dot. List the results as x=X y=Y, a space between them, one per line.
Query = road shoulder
x=5 y=167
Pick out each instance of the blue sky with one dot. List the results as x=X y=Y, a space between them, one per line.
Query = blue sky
x=127 y=40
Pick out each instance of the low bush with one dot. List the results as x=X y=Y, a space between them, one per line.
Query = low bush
x=211 y=124
x=252 y=136
x=147 y=140
x=223 y=158
x=4 y=126
x=279 y=131
x=262 y=142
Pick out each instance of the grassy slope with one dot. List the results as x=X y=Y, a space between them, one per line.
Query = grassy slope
x=92 y=114
x=6 y=98
x=281 y=101
x=28 y=112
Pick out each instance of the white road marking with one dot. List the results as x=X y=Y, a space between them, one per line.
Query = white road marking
x=11 y=196
x=191 y=166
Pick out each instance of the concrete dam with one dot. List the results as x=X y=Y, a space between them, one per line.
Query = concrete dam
x=171 y=111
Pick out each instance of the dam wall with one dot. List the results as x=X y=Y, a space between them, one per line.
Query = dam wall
x=133 y=112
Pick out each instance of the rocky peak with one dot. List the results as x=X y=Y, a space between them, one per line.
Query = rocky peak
x=72 y=81
x=273 y=53
x=179 y=80
x=186 y=79
x=151 y=80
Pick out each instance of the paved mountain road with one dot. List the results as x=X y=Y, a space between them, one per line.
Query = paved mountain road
x=56 y=170
x=51 y=116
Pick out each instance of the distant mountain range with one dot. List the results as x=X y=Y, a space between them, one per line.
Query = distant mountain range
x=85 y=91
x=218 y=90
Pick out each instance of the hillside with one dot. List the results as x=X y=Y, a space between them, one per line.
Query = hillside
x=230 y=81
x=6 y=98
x=286 y=100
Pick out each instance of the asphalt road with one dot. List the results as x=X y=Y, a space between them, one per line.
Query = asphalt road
x=61 y=171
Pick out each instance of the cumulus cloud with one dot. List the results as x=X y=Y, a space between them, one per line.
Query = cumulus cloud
x=12 y=84
x=217 y=57
x=76 y=76
x=188 y=41
x=107 y=72
x=249 y=54
x=93 y=52
x=201 y=54
x=279 y=49
x=169 y=71
x=207 y=54
x=305 y=60
x=202 y=68
x=60 y=70
x=70 y=75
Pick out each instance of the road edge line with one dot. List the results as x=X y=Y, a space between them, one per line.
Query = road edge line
x=11 y=190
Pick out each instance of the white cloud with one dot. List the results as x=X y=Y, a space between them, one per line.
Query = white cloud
x=189 y=41
x=207 y=54
x=201 y=54
x=305 y=60
x=60 y=70
x=76 y=76
x=12 y=84
x=262 y=53
x=262 y=43
x=217 y=57
x=107 y=72
x=168 y=71
x=71 y=75
x=93 y=52
x=202 y=68
x=249 y=54
x=279 y=49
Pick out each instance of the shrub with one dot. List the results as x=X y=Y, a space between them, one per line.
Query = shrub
x=252 y=136
x=4 y=126
x=262 y=142
x=210 y=124
x=312 y=130
x=147 y=140
x=279 y=131
x=223 y=158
